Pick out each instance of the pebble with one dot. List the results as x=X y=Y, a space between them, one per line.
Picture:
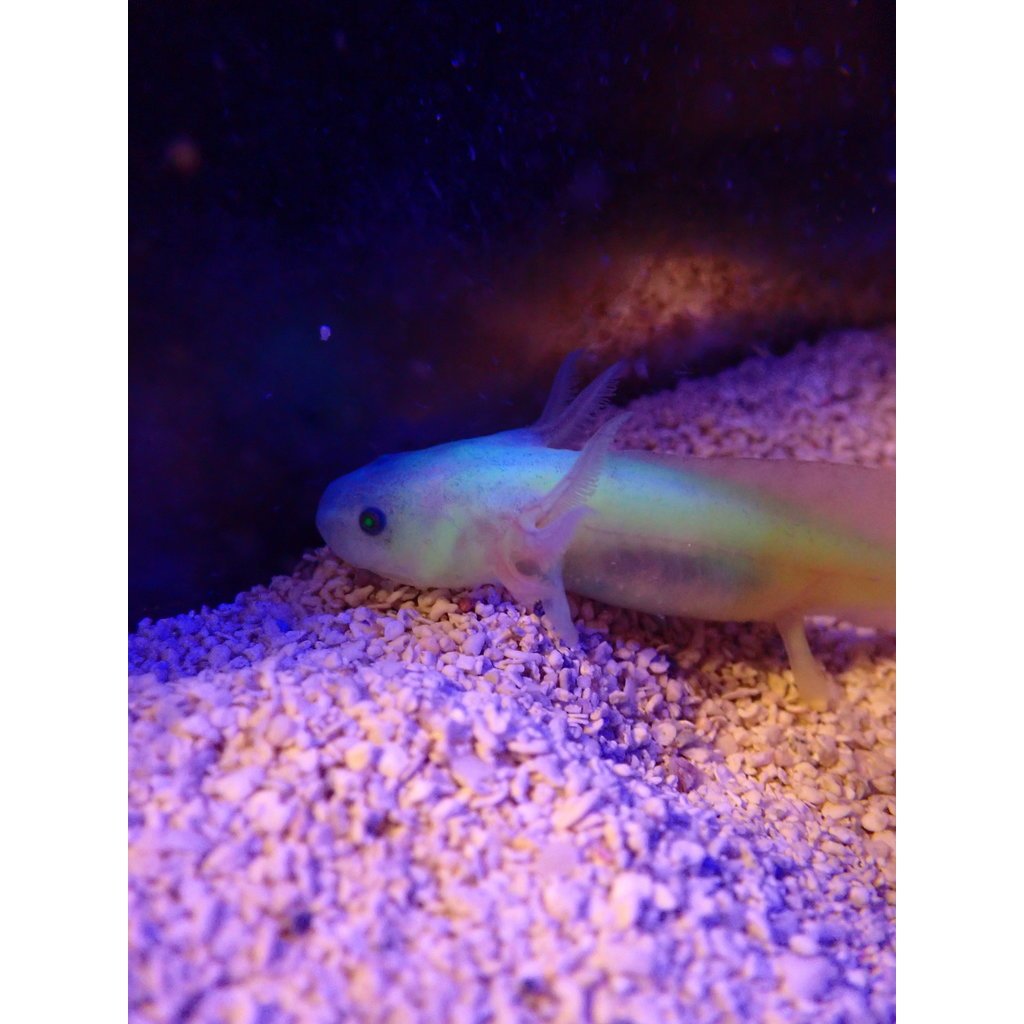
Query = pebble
x=393 y=760
x=564 y=900
x=859 y=896
x=804 y=945
x=664 y=733
x=873 y=821
x=235 y=786
x=419 y=790
x=884 y=784
x=629 y=890
x=760 y=758
x=359 y=756
x=471 y=772
x=813 y=796
x=836 y=812
x=806 y=977
x=269 y=812
x=475 y=644
x=280 y=730
x=393 y=629
x=826 y=751
x=572 y=811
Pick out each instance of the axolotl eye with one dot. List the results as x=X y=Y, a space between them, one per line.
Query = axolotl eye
x=372 y=521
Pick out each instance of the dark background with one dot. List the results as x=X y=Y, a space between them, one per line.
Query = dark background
x=463 y=192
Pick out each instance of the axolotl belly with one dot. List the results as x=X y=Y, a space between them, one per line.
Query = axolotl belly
x=727 y=539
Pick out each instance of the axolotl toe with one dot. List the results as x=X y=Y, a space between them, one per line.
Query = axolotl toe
x=721 y=538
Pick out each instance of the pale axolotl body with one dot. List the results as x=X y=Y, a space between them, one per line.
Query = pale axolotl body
x=725 y=539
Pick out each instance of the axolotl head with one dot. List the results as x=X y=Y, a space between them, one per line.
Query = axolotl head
x=405 y=517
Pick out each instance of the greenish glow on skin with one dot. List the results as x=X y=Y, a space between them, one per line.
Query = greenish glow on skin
x=652 y=533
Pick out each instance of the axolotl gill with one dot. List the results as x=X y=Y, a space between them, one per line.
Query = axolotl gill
x=705 y=538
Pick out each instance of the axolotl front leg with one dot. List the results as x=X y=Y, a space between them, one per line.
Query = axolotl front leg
x=534 y=542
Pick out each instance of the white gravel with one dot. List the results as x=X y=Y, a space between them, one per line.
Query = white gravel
x=355 y=801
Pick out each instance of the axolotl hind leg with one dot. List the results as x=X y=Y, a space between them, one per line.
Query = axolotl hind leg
x=814 y=685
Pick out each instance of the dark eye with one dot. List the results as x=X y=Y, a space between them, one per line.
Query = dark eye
x=372 y=521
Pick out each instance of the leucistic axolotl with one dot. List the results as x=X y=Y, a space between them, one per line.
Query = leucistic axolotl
x=719 y=538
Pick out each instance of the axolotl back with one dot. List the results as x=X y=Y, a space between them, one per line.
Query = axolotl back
x=726 y=539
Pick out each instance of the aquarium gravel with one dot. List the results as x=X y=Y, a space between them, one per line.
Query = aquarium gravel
x=351 y=800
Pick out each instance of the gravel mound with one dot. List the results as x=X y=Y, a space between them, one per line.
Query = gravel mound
x=355 y=801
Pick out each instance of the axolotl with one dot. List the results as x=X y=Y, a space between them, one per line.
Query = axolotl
x=706 y=538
